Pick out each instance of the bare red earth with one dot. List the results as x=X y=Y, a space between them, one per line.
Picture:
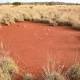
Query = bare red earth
x=31 y=43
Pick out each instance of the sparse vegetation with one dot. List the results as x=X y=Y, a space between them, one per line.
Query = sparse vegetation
x=67 y=15
x=54 y=76
x=52 y=71
x=7 y=68
x=73 y=72
x=62 y=15
x=27 y=76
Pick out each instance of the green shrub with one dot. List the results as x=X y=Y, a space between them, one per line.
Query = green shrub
x=16 y=3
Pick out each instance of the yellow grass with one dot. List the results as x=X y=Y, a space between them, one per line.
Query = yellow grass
x=68 y=15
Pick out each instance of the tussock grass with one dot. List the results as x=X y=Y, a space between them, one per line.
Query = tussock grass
x=73 y=73
x=54 y=15
x=52 y=74
x=8 y=67
x=53 y=71
x=28 y=76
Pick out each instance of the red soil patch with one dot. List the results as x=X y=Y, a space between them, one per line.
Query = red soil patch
x=31 y=43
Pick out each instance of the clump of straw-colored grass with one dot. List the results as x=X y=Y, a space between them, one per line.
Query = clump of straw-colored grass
x=53 y=72
x=7 y=65
x=73 y=73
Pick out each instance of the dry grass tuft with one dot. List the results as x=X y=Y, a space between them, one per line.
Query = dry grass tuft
x=53 y=71
x=73 y=72
x=8 y=67
x=28 y=76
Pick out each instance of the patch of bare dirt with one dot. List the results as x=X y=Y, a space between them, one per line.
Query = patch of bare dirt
x=31 y=43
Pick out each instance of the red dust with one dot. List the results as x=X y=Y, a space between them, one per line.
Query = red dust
x=31 y=43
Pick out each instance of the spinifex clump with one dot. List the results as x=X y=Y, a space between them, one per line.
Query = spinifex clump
x=28 y=76
x=73 y=72
x=8 y=67
x=52 y=71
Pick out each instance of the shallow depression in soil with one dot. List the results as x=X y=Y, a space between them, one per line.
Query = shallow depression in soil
x=30 y=44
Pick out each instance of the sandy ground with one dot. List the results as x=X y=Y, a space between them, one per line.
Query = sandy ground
x=31 y=44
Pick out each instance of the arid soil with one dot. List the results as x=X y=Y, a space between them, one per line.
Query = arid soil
x=31 y=44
